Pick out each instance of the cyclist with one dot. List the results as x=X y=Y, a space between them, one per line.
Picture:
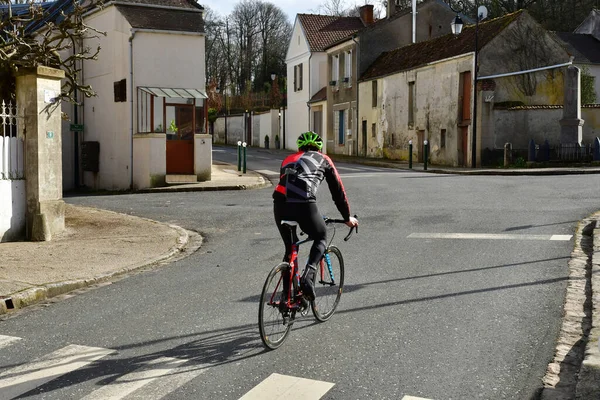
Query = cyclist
x=294 y=199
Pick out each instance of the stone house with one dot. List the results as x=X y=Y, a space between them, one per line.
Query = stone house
x=424 y=91
x=333 y=109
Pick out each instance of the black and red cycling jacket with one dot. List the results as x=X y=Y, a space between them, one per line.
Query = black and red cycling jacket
x=300 y=177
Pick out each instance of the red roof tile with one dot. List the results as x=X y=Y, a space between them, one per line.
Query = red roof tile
x=422 y=53
x=324 y=30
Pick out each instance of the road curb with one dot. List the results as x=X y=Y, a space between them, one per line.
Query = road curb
x=564 y=378
x=187 y=243
x=476 y=171
x=588 y=386
x=265 y=183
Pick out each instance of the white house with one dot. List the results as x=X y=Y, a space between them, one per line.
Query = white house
x=148 y=120
x=307 y=68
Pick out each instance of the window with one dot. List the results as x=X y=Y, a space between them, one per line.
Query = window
x=374 y=94
x=373 y=130
x=297 y=78
x=341 y=126
x=348 y=67
x=335 y=69
x=411 y=104
x=443 y=138
x=120 y=90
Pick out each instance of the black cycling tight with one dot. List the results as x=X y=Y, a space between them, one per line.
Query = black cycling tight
x=310 y=221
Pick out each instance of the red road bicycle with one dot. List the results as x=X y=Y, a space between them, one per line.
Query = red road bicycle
x=276 y=314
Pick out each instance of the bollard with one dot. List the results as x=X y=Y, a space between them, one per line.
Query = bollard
x=244 y=146
x=507 y=154
x=425 y=154
x=410 y=154
x=531 y=151
x=239 y=157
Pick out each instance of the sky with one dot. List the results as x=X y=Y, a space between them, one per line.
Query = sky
x=289 y=7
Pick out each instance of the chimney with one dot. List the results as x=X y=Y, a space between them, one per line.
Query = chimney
x=366 y=14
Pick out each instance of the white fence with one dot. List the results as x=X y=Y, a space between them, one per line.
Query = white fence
x=11 y=148
x=13 y=202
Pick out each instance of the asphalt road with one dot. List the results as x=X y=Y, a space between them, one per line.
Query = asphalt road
x=425 y=312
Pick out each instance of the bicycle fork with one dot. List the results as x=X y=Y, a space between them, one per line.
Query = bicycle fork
x=327 y=260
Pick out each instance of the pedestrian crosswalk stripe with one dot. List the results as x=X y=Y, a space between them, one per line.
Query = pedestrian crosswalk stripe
x=8 y=340
x=267 y=172
x=278 y=386
x=133 y=381
x=492 y=236
x=168 y=383
x=413 y=398
x=22 y=379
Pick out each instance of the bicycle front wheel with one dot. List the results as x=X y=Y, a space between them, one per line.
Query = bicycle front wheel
x=274 y=325
x=329 y=282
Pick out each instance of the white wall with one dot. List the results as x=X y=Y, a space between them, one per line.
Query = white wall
x=13 y=205
x=13 y=200
x=159 y=59
x=149 y=160
x=105 y=120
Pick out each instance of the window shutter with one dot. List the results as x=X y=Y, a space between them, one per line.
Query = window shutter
x=300 y=77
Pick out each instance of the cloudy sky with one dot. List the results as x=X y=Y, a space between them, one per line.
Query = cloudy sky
x=290 y=7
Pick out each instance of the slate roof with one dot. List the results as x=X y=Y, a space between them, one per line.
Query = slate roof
x=191 y=4
x=323 y=30
x=408 y=10
x=422 y=53
x=321 y=95
x=139 y=13
x=584 y=47
x=162 y=18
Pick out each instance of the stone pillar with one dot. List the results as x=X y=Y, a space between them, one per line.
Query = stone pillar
x=571 y=124
x=36 y=89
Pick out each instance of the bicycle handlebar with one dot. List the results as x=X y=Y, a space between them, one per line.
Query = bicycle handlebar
x=341 y=221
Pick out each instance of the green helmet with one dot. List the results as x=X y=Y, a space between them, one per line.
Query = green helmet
x=310 y=139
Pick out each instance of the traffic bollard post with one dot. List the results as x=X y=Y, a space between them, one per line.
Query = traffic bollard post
x=244 y=146
x=425 y=154
x=239 y=157
x=410 y=154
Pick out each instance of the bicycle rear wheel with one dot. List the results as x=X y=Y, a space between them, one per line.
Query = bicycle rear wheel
x=329 y=282
x=272 y=325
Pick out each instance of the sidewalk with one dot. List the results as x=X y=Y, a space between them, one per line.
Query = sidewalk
x=115 y=245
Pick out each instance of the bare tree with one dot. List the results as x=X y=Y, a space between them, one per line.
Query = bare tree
x=55 y=43
x=247 y=46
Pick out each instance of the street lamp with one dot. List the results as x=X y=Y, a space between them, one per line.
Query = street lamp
x=225 y=96
x=456 y=26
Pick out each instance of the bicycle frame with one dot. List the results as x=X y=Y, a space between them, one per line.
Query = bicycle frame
x=294 y=282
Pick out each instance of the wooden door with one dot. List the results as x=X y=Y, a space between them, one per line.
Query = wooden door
x=180 y=146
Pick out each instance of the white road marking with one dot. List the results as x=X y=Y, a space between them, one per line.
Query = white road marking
x=414 y=398
x=160 y=388
x=349 y=169
x=561 y=237
x=278 y=387
x=267 y=172
x=24 y=378
x=492 y=236
x=6 y=341
x=133 y=381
